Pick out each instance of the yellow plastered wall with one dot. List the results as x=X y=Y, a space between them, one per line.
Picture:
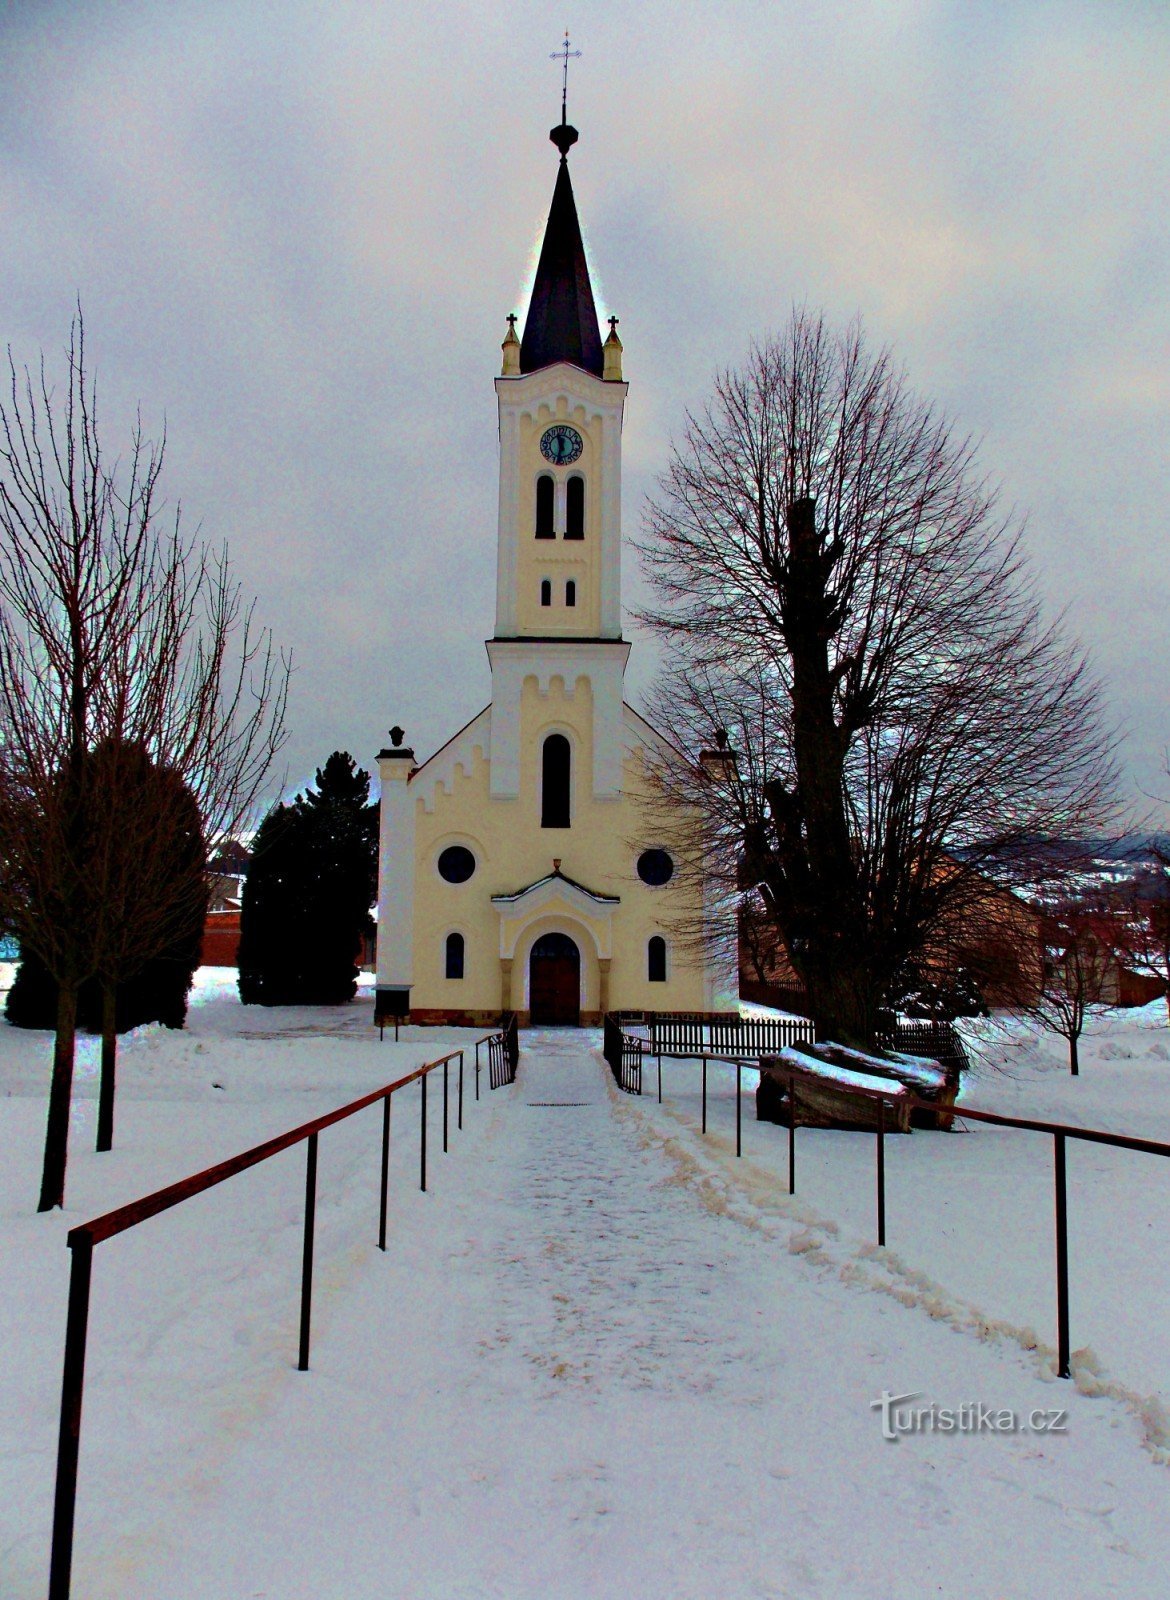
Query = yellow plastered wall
x=512 y=850
x=559 y=559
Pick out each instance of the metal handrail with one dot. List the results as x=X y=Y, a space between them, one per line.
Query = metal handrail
x=82 y=1239
x=1058 y=1131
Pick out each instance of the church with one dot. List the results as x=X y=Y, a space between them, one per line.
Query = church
x=518 y=868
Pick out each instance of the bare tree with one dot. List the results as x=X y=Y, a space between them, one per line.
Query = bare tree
x=1080 y=972
x=839 y=594
x=117 y=634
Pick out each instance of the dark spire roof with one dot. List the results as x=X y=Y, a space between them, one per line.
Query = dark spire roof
x=562 y=319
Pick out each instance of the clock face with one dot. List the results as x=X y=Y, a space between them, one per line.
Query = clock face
x=560 y=445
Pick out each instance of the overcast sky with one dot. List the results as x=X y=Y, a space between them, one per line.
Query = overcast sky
x=296 y=229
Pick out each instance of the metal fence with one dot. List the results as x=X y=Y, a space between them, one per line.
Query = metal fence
x=623 y=1051
x=504 y=1053
x=82 y=1239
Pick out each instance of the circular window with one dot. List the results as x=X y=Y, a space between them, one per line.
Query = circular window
x=456 y=863
x=655 y=868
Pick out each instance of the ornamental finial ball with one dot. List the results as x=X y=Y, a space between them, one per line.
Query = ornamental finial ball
x=396 y=736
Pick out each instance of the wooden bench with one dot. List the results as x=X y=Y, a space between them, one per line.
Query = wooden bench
x=796 y=1085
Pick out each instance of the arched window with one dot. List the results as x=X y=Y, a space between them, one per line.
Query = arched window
x=545 y=491
x=545 y=592
x=455 y=955
x=571 y=592
x=656 y=959
x=575 y=508
x=555 y=763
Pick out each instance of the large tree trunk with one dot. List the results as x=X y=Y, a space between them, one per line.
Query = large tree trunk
x=1074 y=1063
x=834 y=955
x=105 y=1121
x=60 y=1093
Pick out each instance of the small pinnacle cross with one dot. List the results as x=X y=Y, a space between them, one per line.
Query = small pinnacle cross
x=511 y=320
x=564 y=55
x=613 y=322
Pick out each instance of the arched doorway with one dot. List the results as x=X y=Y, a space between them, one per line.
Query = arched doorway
x=554 y=982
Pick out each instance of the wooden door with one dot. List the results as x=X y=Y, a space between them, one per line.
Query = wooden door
x=554 y=982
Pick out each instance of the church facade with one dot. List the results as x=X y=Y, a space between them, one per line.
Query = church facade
x=518 y=868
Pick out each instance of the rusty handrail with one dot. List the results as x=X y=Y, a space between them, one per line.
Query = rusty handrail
x=1059 y=1132
x=82 y=1239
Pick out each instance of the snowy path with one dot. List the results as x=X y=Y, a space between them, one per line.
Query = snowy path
x=585 y=1369
x=585 y=1383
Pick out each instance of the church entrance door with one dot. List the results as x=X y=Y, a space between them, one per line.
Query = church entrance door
x=554 y=982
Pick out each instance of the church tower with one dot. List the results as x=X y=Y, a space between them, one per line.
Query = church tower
x=558 y=580
x=517 y=867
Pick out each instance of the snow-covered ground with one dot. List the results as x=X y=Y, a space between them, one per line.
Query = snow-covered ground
x=600 y=1357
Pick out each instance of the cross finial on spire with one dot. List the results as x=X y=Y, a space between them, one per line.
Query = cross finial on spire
x=564 y=55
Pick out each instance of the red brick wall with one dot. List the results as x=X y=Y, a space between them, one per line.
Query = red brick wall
x=221 y=939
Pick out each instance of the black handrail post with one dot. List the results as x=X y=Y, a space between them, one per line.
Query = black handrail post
x=446 y=1064
x=704 y=1094
x=738 y=1117
x=881 y=1173
x=385 y=1171
x=477 y=1044
x=459 y=1123
x=791 y=1136
x=423 y=1137
x=1063 y=1357
x=69 y=1437
x=307 y=1263
x=660 y=1080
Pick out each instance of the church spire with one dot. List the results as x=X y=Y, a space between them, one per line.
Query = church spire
x=562 y=318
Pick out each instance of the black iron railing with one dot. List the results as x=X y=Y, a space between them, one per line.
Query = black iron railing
x=82 y=1239
x=623 y=1052
x=504 y=1053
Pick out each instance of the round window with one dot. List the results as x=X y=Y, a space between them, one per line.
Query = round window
x=456 y=863
x=655 y=868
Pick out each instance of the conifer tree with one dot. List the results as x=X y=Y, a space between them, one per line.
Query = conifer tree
x=307 y=896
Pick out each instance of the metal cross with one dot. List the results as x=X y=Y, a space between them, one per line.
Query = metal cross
x=564 y=55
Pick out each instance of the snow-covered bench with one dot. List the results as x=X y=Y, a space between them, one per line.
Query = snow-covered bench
x=829 y=1093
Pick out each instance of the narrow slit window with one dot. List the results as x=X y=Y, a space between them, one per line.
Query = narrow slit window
x=546 y=591
x=575 y=508
x=571 y=592
x=545 y=496
x=656 y=959
x=455 y=953
x=556 y=762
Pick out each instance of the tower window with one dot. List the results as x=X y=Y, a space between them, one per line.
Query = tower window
x=545 y=491
x=656 y=959
x=571 y=593
x=454 y=954
x=575 y=508
x=546 y=592
x=556 y=764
